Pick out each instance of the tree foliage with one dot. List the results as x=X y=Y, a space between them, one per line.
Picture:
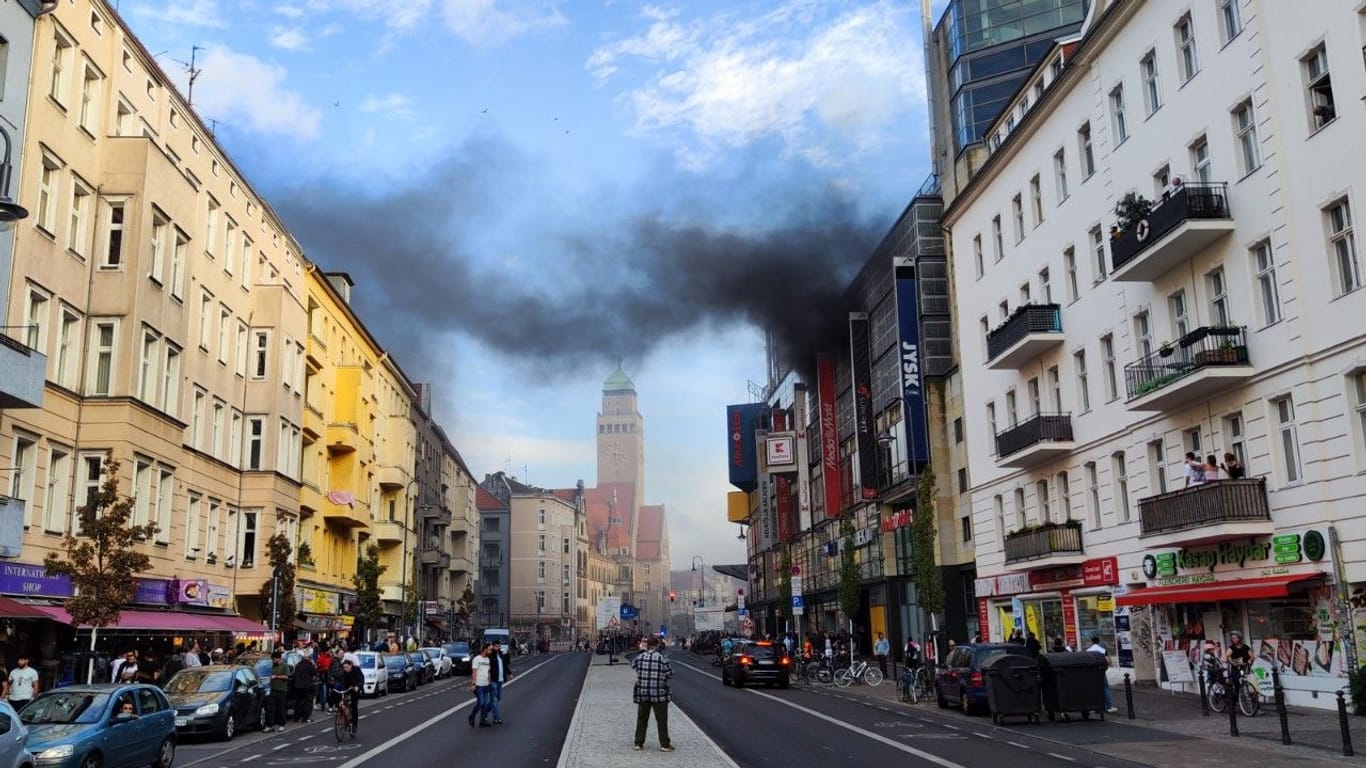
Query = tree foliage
x=369 y=607
x=278 y=551
x=102 y=562
x=929 y=583
x=849 y=587
x=412 y=596
x=464 y=605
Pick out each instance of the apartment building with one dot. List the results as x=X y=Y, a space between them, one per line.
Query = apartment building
x=449 y=519
x=1161 y=259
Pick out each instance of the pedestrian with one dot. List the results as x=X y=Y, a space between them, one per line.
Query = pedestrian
x=651 y=693
x=500 y=671
x=126 y=669
x=277 y=699
x=174 y=664
x=1211 y=469
x=301 y=687
x=1096 y=647
x=1032 y=644
x=191 y=656
x=324 y=665
x=1194 y=470
x=880 y=649
x=480 y=676
x=1232 y=467
x=22 y=684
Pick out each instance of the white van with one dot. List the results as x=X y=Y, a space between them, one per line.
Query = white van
x=501 y=635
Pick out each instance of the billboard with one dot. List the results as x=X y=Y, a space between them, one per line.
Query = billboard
x=830 y=439
x=709 y=620
x=608 y=613
x=800 y=416
x=741 y=450
x=861 y=375
x=912 y=386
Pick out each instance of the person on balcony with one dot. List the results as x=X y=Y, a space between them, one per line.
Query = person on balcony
x=1195 y=471
x=1211 y=468
x=1232 y=467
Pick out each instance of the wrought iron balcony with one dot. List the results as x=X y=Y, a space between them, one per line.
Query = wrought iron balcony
x=1233 y=503
x=1031 y=330
x=1046 y=542
x=1182 y=224
x=1197 y=365
x=1041 y=437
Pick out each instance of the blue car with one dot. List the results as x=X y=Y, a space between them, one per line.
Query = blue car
x=101 y=726
x=403 y=674
x=961 y=679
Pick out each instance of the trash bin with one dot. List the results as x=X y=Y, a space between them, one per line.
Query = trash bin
x=1073 y=682
x=1013 y=688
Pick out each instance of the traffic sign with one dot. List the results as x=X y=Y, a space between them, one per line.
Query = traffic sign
x=797 y=601
x=629 y=612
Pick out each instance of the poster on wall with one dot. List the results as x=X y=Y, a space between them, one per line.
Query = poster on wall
x=1124 y=637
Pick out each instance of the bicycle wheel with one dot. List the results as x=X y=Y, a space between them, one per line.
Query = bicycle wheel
x=923 y=687
x=824 y=676
x=842 y=678
x=1217 y=700
x=873 y=676
x=1249 y=699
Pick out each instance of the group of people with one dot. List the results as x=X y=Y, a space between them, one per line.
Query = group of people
x=1199 y=473
x=488 y=672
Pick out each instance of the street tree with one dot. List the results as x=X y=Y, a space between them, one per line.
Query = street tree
x=369 y=606
x=849 y=577
x=929 y=583
x=277 y=594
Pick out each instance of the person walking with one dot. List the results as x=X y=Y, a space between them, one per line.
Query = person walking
x=22 y=684
x=500 y=671
x=1096 y=647
x=880 y=649
x=651 y=693
x=324 y=665
x=301 y=687
x=480 y=674
x=279 y=691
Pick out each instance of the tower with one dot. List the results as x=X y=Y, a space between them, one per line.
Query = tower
x=621 y=436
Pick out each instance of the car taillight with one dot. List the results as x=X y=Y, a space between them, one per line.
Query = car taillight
x=744 y=661
x=784 y=661
x=976 y=679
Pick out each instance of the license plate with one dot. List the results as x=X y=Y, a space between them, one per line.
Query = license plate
x=765 y=663
x=181 y=722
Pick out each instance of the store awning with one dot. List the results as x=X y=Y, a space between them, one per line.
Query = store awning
x=13 y=609
x=1238 y=589
x=308 y=626
x=170 y=621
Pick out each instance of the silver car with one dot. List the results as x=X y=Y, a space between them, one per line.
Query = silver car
x=13 y=739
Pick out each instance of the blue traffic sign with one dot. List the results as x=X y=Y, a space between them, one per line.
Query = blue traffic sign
x=797 y=601
x=629 y=612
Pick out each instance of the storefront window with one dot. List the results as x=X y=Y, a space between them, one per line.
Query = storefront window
x=1288 y=618
x=1096 y=617
x=1044 y=619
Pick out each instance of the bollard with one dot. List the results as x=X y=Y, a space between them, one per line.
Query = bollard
x=1204 y=695
x=1280 y=705
x=1231 y=699
x=1129 y=695
x=1342 y=723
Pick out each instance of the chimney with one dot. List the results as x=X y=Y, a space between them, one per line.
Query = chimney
x=342 y=284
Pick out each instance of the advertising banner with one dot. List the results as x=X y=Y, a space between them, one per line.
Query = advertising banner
x=912 y=392
x=830 y=439
x=741 y=450
x=32 y=580
x=768 y=518
x=709 y=620
x=786 y=509
x=607 y=613
x=153 y=591
x=800 y=415
x=191 y=591
x=861 y=374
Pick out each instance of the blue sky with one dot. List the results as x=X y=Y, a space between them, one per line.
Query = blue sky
x=526 y=190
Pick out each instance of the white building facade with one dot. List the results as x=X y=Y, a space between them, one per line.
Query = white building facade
x=1223 y=317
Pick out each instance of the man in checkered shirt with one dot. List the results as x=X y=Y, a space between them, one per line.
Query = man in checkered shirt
x=652 y=693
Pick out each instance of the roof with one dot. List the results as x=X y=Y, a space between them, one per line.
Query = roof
x=604 y=502
x=618 y=380
x=485 y=500
x=650 y=532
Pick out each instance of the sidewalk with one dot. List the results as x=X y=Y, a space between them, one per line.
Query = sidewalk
x=605 y=719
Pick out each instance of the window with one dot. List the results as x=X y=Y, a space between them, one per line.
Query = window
x=985 y=328
x=1098 y=251
x=1069 y=264
x=1234 y=438
x=965 y=523
x=1045 y=287
x=1264 y=265
x=1083 y=389
x=246 y=542
x=977 y=261
x=36 y=320
x=78 y=235
x=540 y=543
x=1093 y=492
x=540 y=572
x=102 y=341
x=1152 y=88
x=1288 y=442
x=46 y=215
x=241 y=349
x=229 y=243
x=224 y=332
x=1346 y=271
x=193 y=513
x=1065 y=496
x=56 y=490
x=1176 y=303
x=113 y=235
x=211 y=227
x=962 y=480
x=958 y=430
x=143 y=473
x=1088 y=157
x=999 y=509
x=1036 y=199
x=178 y=251
x=1357 y=395
x=1143 y=336
x=256 y=435
x=1021 y=519
x=1245 y=129
x=999 y=247
x=1218 y=297
x=205 y=318
x=1025 y=294
x=197 y=419
x=147 y=365
x=1230 y=19
x=68 y=349
x=60 y=67
x=261 y=355
x=540 y=519
x=1108 y=367
x=991 y=419
x=1060 y=175
x=1055 y=389
x=1157 y=472
x=1032 y=387
x=125 y=119
x=4 y=65
x=1121 y=478
x=1012 y=409
x=1117 y=121
x=1200 y=166
x=1017 y=216
x=160 y=225
x=288 y=450
x=89 y=111
x=1322 y=110
x=245 y=267
x=216 y=430
x=161 y=515
x=1161 y=179
x=24 y=469
x=170 y=381
x=1187 y=58
x=1191 y=439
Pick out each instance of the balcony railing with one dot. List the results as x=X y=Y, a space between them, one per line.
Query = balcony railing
x=1028 y=320
x=1049 y=541
x=1222 y=501
x=1192 y=201
x=1039 y=428
x=490 y=561
x=1201 y=348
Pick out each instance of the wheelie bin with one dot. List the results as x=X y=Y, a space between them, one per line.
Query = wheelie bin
x=1073 y=682
x=1013 y=688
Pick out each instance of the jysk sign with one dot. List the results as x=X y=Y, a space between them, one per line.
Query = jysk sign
x=908 y=325
x=1194 y=564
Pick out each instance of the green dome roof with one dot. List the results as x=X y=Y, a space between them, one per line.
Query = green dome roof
x=618 y=380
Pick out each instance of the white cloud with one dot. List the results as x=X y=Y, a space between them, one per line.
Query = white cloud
x=825 y=87
x=291 y=39
x=492 y=22
x=289 y=11
x=398 y=16
x=393 y=104
x=244 y=91
x=200 y=13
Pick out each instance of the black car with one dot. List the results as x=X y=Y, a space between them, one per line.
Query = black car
x=961 y=679
x=761 y=662
x=404 y=675
x=217 y=699
x=461 y=656
x=427 y=670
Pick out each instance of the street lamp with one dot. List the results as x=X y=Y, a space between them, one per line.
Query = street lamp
x=10 y=211
x=702 y=579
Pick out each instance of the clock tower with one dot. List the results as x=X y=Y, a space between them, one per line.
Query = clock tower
x=621 y=436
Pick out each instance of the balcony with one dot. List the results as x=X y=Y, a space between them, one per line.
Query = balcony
x=434 y=558
x=342 y=437
x=1191 y=218
x=23 y=372
x=490 y=561
x=345 y=515
x=389 y=477
x=390 y=532
x=1047 y=545
x=313 y=422
x=1224 y=509
x=1035 y=440
x=435 y=514
x=310 y=499
x=1203 y=362
x=461 y=565
x=1031 y=331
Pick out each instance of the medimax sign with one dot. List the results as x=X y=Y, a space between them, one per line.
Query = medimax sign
x=1193 y=565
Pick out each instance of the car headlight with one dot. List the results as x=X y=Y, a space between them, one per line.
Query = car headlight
x=57 y=752
x=207 y=709
x=465 y=659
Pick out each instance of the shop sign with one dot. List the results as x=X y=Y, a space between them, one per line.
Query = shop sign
x=153 y=591
x=983 y=619
x=780 y=449
x=865 y=536
x=191 y=591
x=1102 y=571
x=1069 y=620
x=1055 y=577
x=1105 y=604
x=1195 y=565
x=219 y=596
x=898 y=519
x=1005 y=584
x=32 y=580
x=316 y=601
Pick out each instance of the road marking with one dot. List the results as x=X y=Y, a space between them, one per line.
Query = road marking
x=1017 y=744
x=278 y=747
x=951 y=727
x=1062 y=757
x=248 y=758
x=983 y=735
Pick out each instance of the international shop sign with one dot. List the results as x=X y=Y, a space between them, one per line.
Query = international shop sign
x=1196 y=565
x=741 y=449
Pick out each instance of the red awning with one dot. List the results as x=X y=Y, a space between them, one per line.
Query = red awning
x=13 y=609
x=171 y=621
x=1239 y=589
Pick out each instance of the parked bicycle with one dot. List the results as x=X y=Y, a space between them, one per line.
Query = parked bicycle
x=915 y=685
x=818 y=670
x=1217 y=690
x=859 y=670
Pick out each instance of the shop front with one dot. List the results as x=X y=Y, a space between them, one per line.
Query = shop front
x=1068 y=603
x=1277 y=591
x=322 y=616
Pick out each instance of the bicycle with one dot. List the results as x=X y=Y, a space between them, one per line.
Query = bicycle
x=818 y=670
x=914 y=685
x=343 y=724
x=860 y=670
x=1249 y=697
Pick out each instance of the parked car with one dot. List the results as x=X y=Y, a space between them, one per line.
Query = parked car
x=440 y=661
x=402 y=673
x=961 y=681
x=67 y=727
x=376 y=676
x=217 y=699
x=460 y=655
x=262 y=662
x=13 y=737
x=425 y=664
x=757 y=662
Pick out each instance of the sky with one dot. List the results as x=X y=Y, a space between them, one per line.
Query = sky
x=527 y=191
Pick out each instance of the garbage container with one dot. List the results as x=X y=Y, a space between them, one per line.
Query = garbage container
x=1073 y=682
x=1013 y=688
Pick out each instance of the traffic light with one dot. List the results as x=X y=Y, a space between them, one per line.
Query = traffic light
x=673 y=596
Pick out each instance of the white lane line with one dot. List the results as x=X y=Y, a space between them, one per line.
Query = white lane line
x=950 y=727
x=1017 y=744
x=1062 y=757
x=923 y=755
x=983 y=735
x=248 y=758
x=278 y=747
